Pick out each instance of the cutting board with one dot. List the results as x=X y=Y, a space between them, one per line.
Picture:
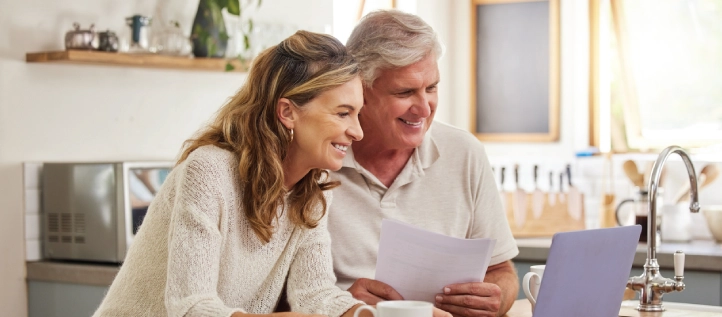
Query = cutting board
x=554 y=218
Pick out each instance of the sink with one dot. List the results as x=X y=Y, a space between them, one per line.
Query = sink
x=677 y=306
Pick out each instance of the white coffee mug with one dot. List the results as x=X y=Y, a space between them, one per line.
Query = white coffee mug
x=399 y=308
x=531 y=283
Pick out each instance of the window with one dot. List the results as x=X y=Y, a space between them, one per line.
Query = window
x=656 y=73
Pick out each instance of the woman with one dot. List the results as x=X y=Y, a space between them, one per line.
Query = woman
x=244 y=210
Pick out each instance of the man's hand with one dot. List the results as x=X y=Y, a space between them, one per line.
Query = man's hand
x=493 y=297
x=470 y=299
x=372 y=291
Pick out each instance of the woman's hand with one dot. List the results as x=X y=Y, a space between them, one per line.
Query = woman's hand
x=441 y=313
x=372 y=291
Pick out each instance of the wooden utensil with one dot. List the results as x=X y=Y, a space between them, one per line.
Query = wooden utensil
x=707 y=175
x=519 y=203
x=575 y=197
x=647 y=174
x=552 y=197
x=562 y=197
x=538 y=197
x=630 y=169
x=712 y=172
x=608 y=218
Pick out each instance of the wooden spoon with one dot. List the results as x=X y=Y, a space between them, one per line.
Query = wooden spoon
x=630 y=169
x=707 y=175
x=712 y=172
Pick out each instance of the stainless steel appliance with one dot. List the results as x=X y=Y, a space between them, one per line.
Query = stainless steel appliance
x=92 y=211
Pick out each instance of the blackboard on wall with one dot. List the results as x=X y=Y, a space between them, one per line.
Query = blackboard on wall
x=515 y=73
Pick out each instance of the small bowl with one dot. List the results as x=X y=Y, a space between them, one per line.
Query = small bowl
x=713 y=215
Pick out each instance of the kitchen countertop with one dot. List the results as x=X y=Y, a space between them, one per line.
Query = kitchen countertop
x=701 y=255
x=522 y=308
x=72 y=272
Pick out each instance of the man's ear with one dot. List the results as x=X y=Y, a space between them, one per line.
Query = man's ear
x=286 y=112
x=365 y=94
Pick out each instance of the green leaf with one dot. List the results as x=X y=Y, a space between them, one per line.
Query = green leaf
x=234 y=7
x=223 y=35
x=250 y=25
x=197 y=30
x=219 y=3
x=229 y=67
x=246 y=42
x=211 y=46
x=215 y=12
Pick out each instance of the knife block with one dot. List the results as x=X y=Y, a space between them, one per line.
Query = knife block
x=554 y=218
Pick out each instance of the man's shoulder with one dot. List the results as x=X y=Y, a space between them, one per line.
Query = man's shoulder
x=450 y=138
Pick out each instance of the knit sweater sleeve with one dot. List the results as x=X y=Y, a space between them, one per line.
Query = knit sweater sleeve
x=194 y=242
x=311 y=281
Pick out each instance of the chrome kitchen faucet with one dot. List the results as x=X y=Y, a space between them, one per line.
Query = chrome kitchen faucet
x=651 y=285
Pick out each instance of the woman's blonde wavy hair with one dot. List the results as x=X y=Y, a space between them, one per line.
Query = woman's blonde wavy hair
x=300 y=68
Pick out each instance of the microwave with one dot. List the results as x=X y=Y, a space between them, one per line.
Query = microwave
x=92 y=211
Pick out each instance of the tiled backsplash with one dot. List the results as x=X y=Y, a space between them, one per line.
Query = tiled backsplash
x=591 y=177
x=32 y=183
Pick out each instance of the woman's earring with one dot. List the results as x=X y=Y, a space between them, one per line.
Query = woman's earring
x=291 y=136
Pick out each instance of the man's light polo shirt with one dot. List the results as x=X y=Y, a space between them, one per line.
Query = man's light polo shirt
x=447 y=186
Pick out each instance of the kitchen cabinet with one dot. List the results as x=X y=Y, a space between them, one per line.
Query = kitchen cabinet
x=702 y=274
x=51 y=299
x=64 y=289
x=701 y=287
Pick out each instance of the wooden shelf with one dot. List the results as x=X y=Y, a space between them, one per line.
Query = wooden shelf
x=134 y=60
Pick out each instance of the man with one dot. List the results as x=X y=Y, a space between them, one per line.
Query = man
x=409 y=168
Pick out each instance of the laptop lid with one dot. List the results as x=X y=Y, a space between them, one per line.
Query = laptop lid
x=586 y=272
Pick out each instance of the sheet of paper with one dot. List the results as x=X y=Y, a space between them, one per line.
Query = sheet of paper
x=419 y=263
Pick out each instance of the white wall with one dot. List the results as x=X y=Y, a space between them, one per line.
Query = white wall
x=52 y=112
x=438 y=13
x=452 y=20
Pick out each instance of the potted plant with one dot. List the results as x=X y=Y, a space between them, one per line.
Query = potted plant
x=209 y=34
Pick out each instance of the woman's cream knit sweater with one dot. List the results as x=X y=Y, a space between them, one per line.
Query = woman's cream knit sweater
x=196 y=255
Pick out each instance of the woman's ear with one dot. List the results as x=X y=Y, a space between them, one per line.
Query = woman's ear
x=286 y=112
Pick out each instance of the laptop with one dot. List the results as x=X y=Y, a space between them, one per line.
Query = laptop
x=586 y=272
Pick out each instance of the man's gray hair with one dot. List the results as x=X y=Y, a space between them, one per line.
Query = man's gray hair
x=391 y=39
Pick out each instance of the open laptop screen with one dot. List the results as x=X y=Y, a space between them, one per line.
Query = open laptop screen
x=586 y=272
